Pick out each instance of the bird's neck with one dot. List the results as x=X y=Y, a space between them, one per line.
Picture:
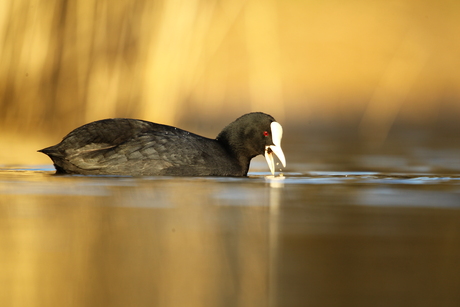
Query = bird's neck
x=232 y=145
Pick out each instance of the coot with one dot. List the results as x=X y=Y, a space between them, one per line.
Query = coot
x=122 y=146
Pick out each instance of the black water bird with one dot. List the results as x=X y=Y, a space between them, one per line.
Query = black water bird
x=132 y=147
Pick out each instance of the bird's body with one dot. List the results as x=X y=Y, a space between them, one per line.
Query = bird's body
x=134 y=147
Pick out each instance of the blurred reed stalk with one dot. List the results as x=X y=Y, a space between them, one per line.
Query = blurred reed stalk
x=69 y=62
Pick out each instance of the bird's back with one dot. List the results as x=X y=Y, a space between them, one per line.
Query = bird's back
x=139 y=148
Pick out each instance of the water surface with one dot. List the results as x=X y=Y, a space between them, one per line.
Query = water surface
x=311 y=238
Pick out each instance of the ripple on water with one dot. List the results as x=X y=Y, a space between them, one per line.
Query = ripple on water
x=367 y=177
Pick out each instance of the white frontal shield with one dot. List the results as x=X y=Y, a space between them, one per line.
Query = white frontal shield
x=277 y=134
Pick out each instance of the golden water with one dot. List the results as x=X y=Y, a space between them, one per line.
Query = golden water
x=314 y=238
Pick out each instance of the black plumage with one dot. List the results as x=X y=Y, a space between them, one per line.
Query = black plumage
x=134 y=147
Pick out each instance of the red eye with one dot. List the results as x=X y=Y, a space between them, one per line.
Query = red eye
x=265 y=133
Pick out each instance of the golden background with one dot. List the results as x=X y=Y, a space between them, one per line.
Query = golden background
x=200 y=64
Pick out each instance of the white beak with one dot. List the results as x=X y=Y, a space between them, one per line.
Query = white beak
x=277 y=134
